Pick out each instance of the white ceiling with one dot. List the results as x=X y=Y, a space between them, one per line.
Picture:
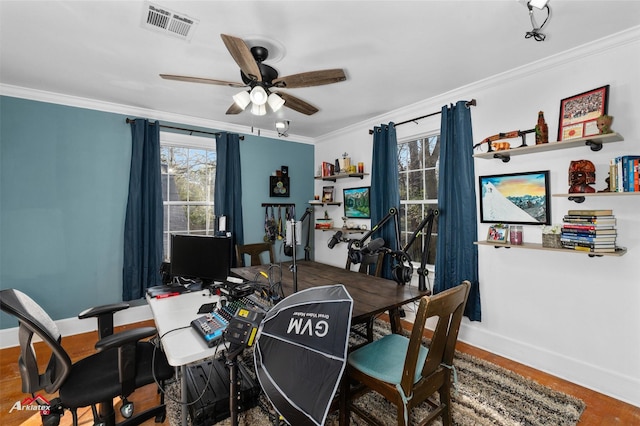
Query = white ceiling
x=394 y=53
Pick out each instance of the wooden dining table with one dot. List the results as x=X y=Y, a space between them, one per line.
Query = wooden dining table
x=371 y=295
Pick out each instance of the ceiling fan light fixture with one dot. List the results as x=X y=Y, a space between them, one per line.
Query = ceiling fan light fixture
x=242 y=99
x=275 y=102
x=258 y=96
x=258 y=109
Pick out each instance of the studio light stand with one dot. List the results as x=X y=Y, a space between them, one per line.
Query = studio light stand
x=294 y=243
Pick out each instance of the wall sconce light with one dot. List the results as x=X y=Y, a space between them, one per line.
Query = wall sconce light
x=282 y=127
x=535 y=32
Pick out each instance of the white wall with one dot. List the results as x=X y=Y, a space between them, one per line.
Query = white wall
x=564 y=313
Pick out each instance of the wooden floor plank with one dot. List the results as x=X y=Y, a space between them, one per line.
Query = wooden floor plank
x=601 y=409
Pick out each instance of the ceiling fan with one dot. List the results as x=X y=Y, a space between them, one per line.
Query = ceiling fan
x=262 y=80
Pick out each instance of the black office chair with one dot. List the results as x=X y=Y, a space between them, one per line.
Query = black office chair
x=121 y=364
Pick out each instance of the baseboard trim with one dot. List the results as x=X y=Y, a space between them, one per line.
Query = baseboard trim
x=596 y=378
x=72 y=326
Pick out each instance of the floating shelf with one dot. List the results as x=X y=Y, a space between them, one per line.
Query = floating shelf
x=344 y=231
x=580 y=197
x=594 y=142
x=533 y=246
x=322 y=203
x=342 y=176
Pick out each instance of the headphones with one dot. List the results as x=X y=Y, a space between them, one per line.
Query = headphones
x=288 y=250
x=402 y=271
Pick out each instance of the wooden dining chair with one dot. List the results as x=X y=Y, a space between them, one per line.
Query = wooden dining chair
x=402 y=369
x=255 y=251
x=371 y=265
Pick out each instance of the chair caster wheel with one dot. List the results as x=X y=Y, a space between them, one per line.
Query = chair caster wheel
x=127 y=409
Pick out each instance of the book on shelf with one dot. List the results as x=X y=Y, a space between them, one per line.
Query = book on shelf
x=589 y=220
x=623 y=174
x=595 y=241
x=591 y=212
x=586 y=227
x=574 y=244
x=589 y=232
x=594 y=250
x=328 y=169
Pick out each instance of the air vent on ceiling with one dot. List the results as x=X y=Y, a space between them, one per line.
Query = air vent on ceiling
x=166 y=21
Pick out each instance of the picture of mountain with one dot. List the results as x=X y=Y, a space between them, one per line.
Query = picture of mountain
x=515 y=198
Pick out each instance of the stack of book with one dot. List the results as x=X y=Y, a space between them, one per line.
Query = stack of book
x=592 y=231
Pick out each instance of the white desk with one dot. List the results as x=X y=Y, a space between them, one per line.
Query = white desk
x=184 y=345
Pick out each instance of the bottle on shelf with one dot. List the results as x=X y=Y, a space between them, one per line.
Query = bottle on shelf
x=542 y=130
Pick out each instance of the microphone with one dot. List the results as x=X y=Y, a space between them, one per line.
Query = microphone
x=335 y=239
x=373 y=246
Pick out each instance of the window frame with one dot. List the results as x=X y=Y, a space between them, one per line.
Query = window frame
x=425 y=202
x=179 y=140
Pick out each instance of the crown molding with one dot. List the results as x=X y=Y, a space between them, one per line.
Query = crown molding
x=92 y=104
x=595 y=48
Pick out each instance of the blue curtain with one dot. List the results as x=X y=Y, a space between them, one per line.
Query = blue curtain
x=385 y=193
x=228 y=189
x=143 y=221
x=457 y=255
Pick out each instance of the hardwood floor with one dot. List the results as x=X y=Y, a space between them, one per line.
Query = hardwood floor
x=601 y=409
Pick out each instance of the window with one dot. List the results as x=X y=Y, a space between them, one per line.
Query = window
x=188 y=165
x=418 y=161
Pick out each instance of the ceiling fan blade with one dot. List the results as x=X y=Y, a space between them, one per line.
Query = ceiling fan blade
x=297 y=104
x=242 y=55
x=202 y=80
x=311 y=78
x=234 y=109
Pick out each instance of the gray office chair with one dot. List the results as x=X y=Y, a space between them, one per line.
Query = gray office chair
x=121 y=364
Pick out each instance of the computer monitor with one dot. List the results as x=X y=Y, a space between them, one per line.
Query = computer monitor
x=201 y=257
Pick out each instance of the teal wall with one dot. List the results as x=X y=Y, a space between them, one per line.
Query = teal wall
x=64 y=174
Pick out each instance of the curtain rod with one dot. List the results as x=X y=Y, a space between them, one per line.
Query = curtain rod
x=472 y=102
x=129 y=121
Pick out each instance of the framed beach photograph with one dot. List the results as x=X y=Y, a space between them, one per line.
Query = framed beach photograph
x=578 y=114
x=498 y=234
x=518 y=198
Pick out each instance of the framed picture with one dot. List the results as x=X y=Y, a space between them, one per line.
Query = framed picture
x=327 y=194
x=578 y=114
x=498 y=234
x=521 y=198
x=278 y=186
x=356 y=202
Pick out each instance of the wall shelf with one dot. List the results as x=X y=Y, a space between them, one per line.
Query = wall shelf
x=333 y=178
x=534 y=246
x=344 y=231
x=580 y=197
x=594 y=142
x=322 y=203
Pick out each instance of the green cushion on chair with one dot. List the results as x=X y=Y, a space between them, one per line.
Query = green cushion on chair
x=383 y=359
